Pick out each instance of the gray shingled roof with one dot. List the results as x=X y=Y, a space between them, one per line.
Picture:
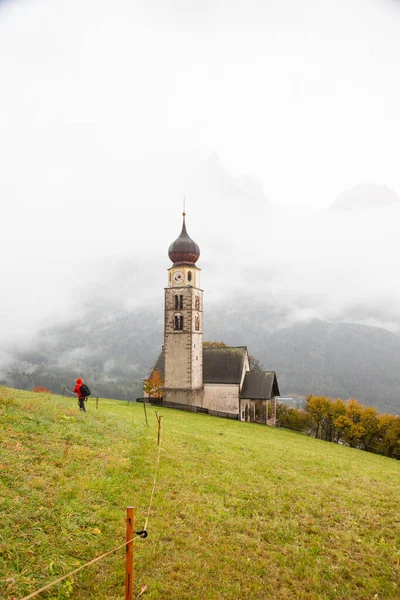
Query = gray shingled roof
x=159 y=366
x=223 y=365
x=259 y=385
x=220 y=365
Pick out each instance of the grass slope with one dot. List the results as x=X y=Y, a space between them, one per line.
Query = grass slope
x=239 y=511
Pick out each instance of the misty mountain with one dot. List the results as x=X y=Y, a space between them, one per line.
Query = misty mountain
x=210 y=182
x=365 y=196
x=110 y=349
x=212 y=192
x=339 y=360
x=318 y=357
x=114 y=351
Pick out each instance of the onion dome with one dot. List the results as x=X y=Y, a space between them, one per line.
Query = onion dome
x=184 y=250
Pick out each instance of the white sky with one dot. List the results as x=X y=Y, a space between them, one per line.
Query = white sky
x=103 y=106
x=303 y=95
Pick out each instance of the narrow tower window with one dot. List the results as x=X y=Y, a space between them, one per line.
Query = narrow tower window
x=189 y=275
x=176 y=303
x=178 y=322
x=197 y=323
x=180 y=301
x=197 y=303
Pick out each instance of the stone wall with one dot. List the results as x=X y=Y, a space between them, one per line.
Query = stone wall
x=183 y=348
x=188 y=397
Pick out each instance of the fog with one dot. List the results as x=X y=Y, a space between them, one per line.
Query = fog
x=261 y=114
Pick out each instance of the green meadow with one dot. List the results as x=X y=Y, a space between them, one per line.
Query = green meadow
x=239 y=510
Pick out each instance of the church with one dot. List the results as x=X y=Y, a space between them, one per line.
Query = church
x=212 y=380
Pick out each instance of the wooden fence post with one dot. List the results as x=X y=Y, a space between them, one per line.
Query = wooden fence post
x=145 y=412
x=129 y=554
x=159 y=429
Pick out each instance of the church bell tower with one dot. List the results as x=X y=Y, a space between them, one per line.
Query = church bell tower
x=183 y=324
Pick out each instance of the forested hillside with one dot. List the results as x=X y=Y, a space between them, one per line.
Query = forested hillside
x=115 y=350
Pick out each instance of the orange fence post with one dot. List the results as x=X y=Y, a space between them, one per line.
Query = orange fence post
x=129 y=554
x=159 y=429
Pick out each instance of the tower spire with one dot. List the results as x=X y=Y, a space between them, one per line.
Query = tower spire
x=184 y=250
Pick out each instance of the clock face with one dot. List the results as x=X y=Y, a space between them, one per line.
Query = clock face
x=178 y=277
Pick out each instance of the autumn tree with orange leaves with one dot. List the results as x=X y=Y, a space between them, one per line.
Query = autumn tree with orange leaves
x=348 y=423
x=154 y=385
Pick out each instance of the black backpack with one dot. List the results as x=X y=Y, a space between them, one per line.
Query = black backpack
x=84 y=392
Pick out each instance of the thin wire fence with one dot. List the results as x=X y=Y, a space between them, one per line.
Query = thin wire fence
x=142 y=533
x=155 y=476
x=91 y=562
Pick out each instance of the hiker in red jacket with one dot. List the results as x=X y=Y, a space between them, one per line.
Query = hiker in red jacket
x=81 y=398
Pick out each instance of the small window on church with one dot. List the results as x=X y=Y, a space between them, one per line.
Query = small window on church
x=178 y=322
x=189 y=275
x=176 y=303
x=197 y=303
x=170 y=277
x=197 y=323
x=180 y=301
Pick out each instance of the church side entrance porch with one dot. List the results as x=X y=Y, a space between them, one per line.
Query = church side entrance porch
x=258 y=411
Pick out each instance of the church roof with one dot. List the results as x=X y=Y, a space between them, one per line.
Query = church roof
x=259 y=385
x=160 y=364
x=223 y=365
x=220 y=365
x=184 y=250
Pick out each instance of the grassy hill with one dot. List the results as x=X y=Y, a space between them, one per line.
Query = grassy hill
x=239 y=510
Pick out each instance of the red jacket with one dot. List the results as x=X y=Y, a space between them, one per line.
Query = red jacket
x=77 y=388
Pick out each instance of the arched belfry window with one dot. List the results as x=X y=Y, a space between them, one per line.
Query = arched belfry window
x=178 y=302
x=178 y=322
x=197 y=323
x=189 y=275
x=197 y=303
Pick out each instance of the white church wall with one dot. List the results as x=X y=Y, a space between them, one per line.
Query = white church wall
x=246 y=367
x=221 y=397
